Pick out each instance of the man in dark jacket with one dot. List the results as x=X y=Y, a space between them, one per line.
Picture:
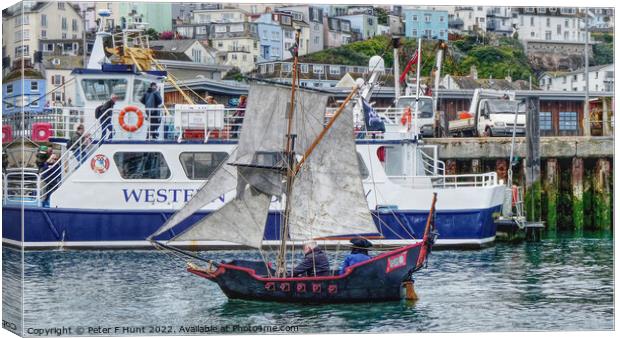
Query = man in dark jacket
x=103 y=113
x=151 y=101
x=315 y=262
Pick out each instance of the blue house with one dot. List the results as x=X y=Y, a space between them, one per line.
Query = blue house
x=426 y=23
x=270 y=37
x=23 y=91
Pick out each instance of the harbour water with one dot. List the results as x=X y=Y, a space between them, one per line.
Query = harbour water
x=561 y=283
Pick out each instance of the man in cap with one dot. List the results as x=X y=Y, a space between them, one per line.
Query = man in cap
x=151 y=101
x=359 y=253
x=315 y=262
x=103 y=113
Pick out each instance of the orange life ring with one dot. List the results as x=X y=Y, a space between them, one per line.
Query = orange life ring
x=131 y=109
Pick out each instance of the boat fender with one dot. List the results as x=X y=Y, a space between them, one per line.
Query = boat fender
x=332 y=289
x=515 y=195
x=407 y=290
x=129 y=127
x=405 y=118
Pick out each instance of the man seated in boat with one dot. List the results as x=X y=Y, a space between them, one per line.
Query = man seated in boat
x=359 y=253
x=315 y=262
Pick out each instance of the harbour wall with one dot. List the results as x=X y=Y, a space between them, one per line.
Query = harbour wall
x=575 y=188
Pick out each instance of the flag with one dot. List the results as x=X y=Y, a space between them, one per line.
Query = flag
x=371 y=118
x=412 y=61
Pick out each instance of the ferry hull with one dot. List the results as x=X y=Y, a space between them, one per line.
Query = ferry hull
x=51 y=228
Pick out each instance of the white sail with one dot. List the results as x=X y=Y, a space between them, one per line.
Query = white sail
x=263 y=136
x=240 y=221
x=220 y=182
x=257 y=159
x=328 y=197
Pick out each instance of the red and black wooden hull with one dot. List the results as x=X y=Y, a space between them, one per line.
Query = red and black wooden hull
x=375 y=280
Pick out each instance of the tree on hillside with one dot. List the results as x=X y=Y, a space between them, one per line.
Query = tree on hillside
x=382 y=16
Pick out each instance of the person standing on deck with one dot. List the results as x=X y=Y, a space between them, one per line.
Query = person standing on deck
x=103 y=113
x=151 y=101
x=238 y=116
x=315 y=262
x=77 y=143
x=359 y=253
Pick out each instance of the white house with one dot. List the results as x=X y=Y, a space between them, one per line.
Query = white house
x=600 y=78
x=196 y=50
x=549 y=24
x=474 y=17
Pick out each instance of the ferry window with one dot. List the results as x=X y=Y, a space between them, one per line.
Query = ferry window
x=364 y=173
x=393 y=161
x=101 y=90
x=200 y=165
x=425 y=106
x=142 y=165
x=139 y=88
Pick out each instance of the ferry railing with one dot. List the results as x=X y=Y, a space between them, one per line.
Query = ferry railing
x=22 y=186
x=75 y=155
x=454 y=181
x=61 y=119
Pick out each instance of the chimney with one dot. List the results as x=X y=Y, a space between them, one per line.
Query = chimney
x=473 y=72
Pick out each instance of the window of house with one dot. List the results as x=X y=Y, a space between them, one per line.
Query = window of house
x=270 y=68
x=334 y=70
x=568 y=120
x=531 y=21
x=43 y=20
x=545 y=120
x=74 y=25
x=317 y=69
x=441 y=18
x=371 y=21
x=559 y=29
x=287 y=67
x=414 y=33
x=9 y=89
x=34 y=86
x=142 y=165
x=548 y=22
x=43 y=33
x=200 y=165
x=61 y=5
x=63 y=23
x=547 y=35
x=427 y=18
x=303 y=68
x=415 y=18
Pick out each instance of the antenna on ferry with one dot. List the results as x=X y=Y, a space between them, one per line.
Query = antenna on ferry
x=97 y=56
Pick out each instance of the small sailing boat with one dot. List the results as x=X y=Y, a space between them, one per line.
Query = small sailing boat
x=287 y=153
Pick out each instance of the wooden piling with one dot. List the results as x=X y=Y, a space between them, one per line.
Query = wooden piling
x=602 y=195
x=533 y=194
x=450 y=167
x=551 y=192
x=476 y=166
x=577 y=198
x=501 y=168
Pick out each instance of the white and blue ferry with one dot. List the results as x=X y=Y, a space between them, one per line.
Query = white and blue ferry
x=114 y=190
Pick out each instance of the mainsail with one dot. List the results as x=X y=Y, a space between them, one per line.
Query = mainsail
x=327 y=196
x=258 y=162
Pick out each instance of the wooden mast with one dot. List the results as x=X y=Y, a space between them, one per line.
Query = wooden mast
x=290 y=173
